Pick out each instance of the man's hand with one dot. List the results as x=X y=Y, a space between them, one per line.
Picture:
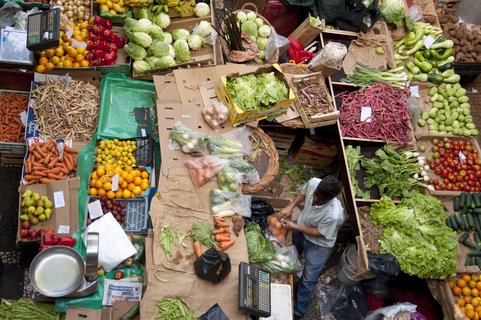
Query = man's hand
x=289 y=224
x=284 y=213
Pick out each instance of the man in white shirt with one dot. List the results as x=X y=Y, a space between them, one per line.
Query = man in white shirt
x=315 y=231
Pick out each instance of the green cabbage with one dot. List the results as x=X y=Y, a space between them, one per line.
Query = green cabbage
x=152 y=60
x=201 y=9
x=259 y=22
x=135 y=52
x=241 y=16
x=160 y=49
x=416 y=234
x=264 y=31
x=162 y=20
x=182 y=52
x=156 y=32
x=392 y=11
x=261 y=54
x=195 y=41
x=204 y=28
x=261 y=43
x=165 y=62
x=140 y=66
x=143 y=25
x=259 y=248
x=130 y=24
x=166 y=37
x=249 y=27
x=146 y=14
x=180 y=34
x=140 y=38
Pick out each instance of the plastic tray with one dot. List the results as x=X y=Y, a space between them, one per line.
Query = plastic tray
x=137 y=214
x=143 y=153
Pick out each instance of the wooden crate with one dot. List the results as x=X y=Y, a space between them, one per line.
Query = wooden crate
x=319 y=119
x=283 y=141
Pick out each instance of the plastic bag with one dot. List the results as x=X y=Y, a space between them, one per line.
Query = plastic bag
x=231 y=144
x=328 y=292
x=21 y=19
x=229 y=179
x=383 y=263
x=190 y=141
x=351 y=304
x=8 y=12
x=275 y=42
x=258 y=247
x=260 y=211
x=228 y=203
x=276 y=229
x=393 y=312
x=286 y=260
x=203 y=169
x=212 y=265
x=209 y=38
x=126 y=272
x=297 y=53
x=414 y=104
x=331 y=55
x=214 y=313
x=216 y=115
x=415 y=13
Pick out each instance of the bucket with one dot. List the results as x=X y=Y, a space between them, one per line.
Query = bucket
x=347 y=266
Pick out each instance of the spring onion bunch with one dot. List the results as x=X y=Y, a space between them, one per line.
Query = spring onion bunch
x=364 y=76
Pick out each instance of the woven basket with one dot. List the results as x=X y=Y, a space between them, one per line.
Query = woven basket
x=268 y=149
x=275 y=58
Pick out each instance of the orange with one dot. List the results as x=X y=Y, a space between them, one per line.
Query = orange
x=110 y=194
x=466 y=277
x=79 y=58
x=475 y=278
x=131 y=186
x=475 y=292
x=475 y=302
x=126 y=194
x=137 y=190
x=135 y=173
x=460 y=302
x=145 y=185
x=84 y=64
x=457 y=291
x=107 y=186
x=469 y=306
x=121 y=181
x=81 y=50
x=145 y=175
x=94 y=175
x=137 y=181
x=118 y=193
x=452 y=284
x=60 y=64
x=102 y=192
x=49 y=66
x=478 y=285
x=43 y=53
x=104 y=179
x=100 y=171
x=128 y=169
x=72 y=52
x=461 y=283
x=98 y=184
x=129 y=178
x=43 y=61
x=466 y=291
x=67 y=64
x=40 y=69
x=49 y=53
x=124 y=185
x=93 y=191
x=468 y=299
x=472 y=284
x=470 y=314
x=65 y=46
x=92 y=182
x=75 y=65
x=477 y=309
x=55 y=60
x=59 y=52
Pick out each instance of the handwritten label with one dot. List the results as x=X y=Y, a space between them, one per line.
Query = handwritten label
x=58 y=199
x=63 y=229
x=428 y=42
x=69 y=32
x=462 y=157
x=366 y=114
x=95 y=209
x=142 y=132
x=23 y=118
x=115 y=182
x=414 y=91
x=77 y=44
x=474 y=90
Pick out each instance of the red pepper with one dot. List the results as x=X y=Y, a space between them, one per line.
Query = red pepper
x=67 y=241
x=113 y=47
x=110 y=57
x=44 y=246
x=99 y=53
x=119 y=275
x=120 y=43
x=98 y=30
x=115 y=38
x=91 y=45
x=108 y=24
x=98 y=21
x=98 y=62
x=89 y=56
x=107 y=35
x=49 y=239
x=102 y=45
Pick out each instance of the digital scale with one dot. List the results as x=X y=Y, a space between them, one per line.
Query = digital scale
x=43 y=30
x=254 y=290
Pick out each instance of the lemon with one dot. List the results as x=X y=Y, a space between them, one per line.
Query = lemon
x=109 y=4
x=126 y=194
x=137 y=190
x=93 y=192
x=40 y=68
x=104 y=8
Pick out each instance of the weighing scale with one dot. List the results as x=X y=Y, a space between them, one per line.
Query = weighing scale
x=43 y=30
x=254 y=290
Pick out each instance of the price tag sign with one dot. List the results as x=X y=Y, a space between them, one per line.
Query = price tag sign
x=95 y=209
x=366 y=113
x=428 y=42
x=414 y=91
x=142 y=132
x=58 y=199
x=23 y=118
x=77 y=44
x=115 y=182
x=63 y=229
x=462 y=157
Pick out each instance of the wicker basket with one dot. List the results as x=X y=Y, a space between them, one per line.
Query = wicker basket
x=268 y=154
x=275 y=58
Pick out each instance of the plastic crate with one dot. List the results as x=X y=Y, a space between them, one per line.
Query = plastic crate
x=143 y=153
x=137 y=214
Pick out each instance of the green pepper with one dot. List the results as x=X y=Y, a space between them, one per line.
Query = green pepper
x=424 y=66
x=448 y=73
x=419 y=33
x=435 y=78
x=419 y=55
x=446 y=54
x=427 y=54
x=415 y=48
x=413 y=68
x=453 y=79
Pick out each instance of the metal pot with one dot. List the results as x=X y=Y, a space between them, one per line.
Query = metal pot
x=60 y=271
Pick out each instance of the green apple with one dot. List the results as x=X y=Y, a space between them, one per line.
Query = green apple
x=27 y=194
x=44 y=198
x=48 y=204
x=42 y=217
x=48 y=213
x=31 y=209
x=36 y=196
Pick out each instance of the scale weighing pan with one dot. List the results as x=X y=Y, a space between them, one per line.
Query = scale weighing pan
x=60 y=271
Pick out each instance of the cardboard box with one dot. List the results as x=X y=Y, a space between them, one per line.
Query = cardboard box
x=64 y=218
x=315 y=153
x=237 y=115
x=306 y=32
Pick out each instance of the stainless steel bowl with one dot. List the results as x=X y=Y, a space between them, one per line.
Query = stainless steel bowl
x=57 y=271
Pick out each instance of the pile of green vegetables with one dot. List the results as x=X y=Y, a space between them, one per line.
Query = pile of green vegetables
x=450 y=112
x=259 y=248
x=364 y=75
x=433 y=65
x=415 y=233
x=257 y=92
x=354 y=157
x=28 y=309
x=235 y=173
x=173 y=309
x=170 y=239
x=153 y=48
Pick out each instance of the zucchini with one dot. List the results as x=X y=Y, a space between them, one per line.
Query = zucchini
x=470 y=218
x=464 y=210
x=456 y=203
x=449 y=223
x=462 y=199
x=469 y=261
x=469 y=244
x=477 y=239
x=474 y=253
x=477 y=199
x=472 y=204
x=477 y=224
x=469 y=199
x=466 y=223
x=132 y=313
x=463 y=237
x=476 y=211
x=459 y=220
x=454 y=224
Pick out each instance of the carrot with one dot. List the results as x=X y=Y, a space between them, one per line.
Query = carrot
x=55 y=170
x=222 y=238
x=46 y=159
x=37 y=155
x=39 y=173
x=75 y=161
x=38 y=166
x=222 y=225
x=219 y=219
x=52 y=163
x=30 y=177
x=62 y=167
x=197 y=248
x=54 y=176
x=69 y=150
x=226 y=245
x=46 y=180
x=220 y=231
x=40 y=151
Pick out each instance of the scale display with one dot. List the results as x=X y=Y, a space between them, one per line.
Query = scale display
x=254 y=290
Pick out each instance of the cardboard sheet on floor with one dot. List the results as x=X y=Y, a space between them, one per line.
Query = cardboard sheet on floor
x=179 y=204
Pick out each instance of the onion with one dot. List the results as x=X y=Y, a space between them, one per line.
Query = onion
x=209 y=110
x=80 y=15
x=78 y=3
x=215 y=123
x=62 y=9
x=69 y=14
x=58 y=3
x=207 y=118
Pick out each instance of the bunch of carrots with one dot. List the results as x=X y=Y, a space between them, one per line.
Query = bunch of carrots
x=11 y=128
x=44 y=164
x=221 y=234
x=203 y=169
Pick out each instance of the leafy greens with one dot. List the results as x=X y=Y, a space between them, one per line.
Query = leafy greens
x=259 y=248
x=353 y=156
x=392 y=11
x=257 y=92
x=416 y=234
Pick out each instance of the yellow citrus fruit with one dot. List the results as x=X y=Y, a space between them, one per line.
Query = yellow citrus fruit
x=59 y=52
x=137 y=190
x=50 y=53
x=43 y=53
x=92 y=182
x=466 y=277
x=144 y=175
x=475 y=292
x=79 y=58
x=137 y=181
x=135 y=173
x=131 y=186
x=126 y=194
x=84 y=64
x=468 y=299
x=466 y=291
x=65 y=46
x=469 y=306
x=119 y=193
x=144 y=185
x=461 y=283
x=475 y=302
x=40 y=69
x=110 y=194
x=60 y=64
x=94 y=175
x=457 y=291
x=475 y=278
x=121 y=180
x=93 y=191
x=470 y=314
x=100 y=171
x=75 y=65
x=43 y=61
x=103 y=7
x=81 y=51
x=102 y=192
x=107 y=186
x=460 y=302
x=72 y=52
x=55 y=60
x=49 y=66
x=128 y=169
x=67 y=64
x=129 y=178
x=98 y=184
x=124 y=185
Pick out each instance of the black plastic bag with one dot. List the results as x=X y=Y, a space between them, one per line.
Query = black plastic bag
x=214 y=313
x=260 y=211
x=351 y=304
x=385 y=264
x=212 y=265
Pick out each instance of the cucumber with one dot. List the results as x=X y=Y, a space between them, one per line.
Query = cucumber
x=477 y=199
x=459 y=220
x=466 y=223
x=464 y=210
x=469 y=199
x=474 y=253
x=463 y=237
x=449 y=223
x=454 y=224
x=469 y=244
x=470 y=218
x=477 y=239
x=132 y=313
x=456 y=203
x=476 y=211
x=462 y=199
x=469 y=261
x=472 y=204
x=477 y=224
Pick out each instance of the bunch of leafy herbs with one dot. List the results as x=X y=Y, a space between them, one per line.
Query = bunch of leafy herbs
x=354 y=156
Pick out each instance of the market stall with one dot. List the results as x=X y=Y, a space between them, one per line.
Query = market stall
x=153 y=172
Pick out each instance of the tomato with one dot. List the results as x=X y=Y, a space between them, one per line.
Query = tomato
x=471 y=177
x=462 y=173
x=459 y=179
x=437 y=171
x=449 y=186
x=455 y=188
x=464 y=167
x=435 y=181
x=445 y=180
x=432 y=166
x=477 y=173
x=452 y=177
x=471 y=183
x=437 y=162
